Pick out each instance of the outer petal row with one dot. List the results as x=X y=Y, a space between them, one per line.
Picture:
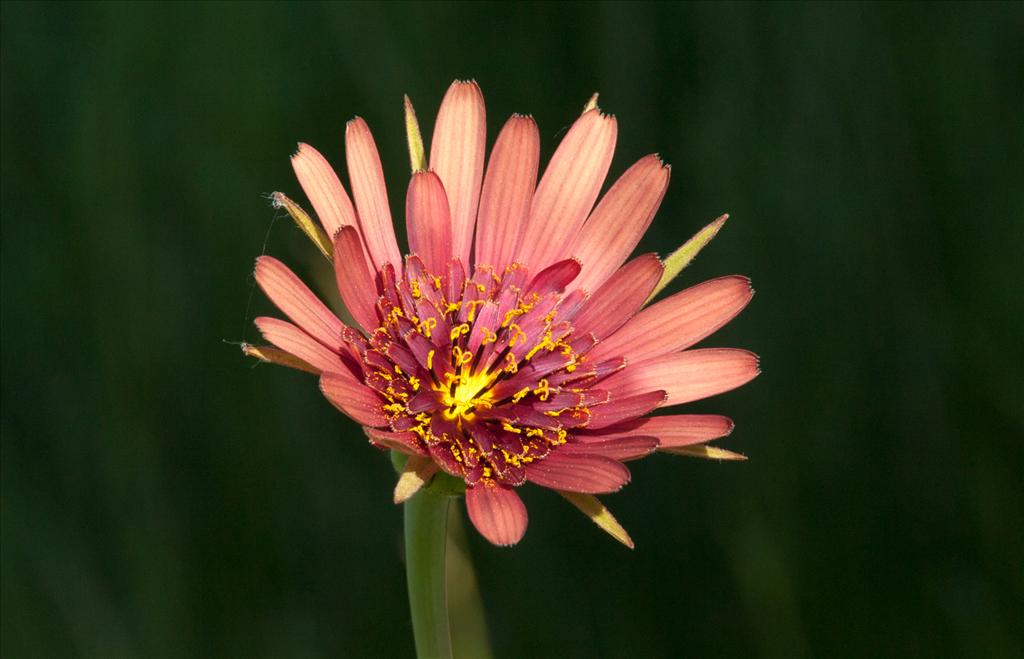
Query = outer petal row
x=457 y=157
x=686 y=376
x=497 y=512
x=619 y=297
x=428 y=220
x=679 y=321
x=508 y=189
x=672 y=431
x=568 y=189
x=367 y=178
x=299 y=303
x=618 y=223
x=324 y=190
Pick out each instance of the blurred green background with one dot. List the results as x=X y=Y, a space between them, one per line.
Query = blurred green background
x=161 y=497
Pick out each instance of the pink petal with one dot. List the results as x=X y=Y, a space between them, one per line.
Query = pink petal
x=624 y=408
x=297 y=302
x=403 y=442
x=291 y=339
x=686 y=376
x=590 y=474
x=367 y=178
x=620 y=449
x=355 y=283
x=619 y=297
x=679 y=321
x=457 y=156
x=613 y=230
x=428 y=221
x=568 y=189
x=497 y=512
x=324 y=190
x=671 y=431
x=507 y=192
x=354 y=399
x=555 y=277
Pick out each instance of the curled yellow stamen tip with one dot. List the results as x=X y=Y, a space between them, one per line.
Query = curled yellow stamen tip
x=458 y=331
x=417 y=157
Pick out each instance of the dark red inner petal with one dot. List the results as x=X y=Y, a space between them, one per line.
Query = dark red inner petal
x=483 y=373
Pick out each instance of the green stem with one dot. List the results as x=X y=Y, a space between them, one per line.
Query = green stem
x=426 y=523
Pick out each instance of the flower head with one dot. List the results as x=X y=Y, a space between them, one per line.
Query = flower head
x=513 y=343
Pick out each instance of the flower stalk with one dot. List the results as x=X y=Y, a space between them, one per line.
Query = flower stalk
x=426 y=524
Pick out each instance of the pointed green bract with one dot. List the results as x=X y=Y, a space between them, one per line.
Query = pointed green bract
x=417 y=471
x=705 y=451
x=592 y=507
x=272 y=355
x=682 y=257
x=305 y=223
x=417 y=157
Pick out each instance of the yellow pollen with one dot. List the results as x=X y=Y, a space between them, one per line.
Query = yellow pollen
x=473 y=304
x=414 y=287
x=458 y=331
x=517 y=333
x=462 y=357
x=542 y=390
x=430 y=360
x=461 y=394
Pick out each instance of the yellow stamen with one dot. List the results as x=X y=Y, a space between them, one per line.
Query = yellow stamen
x=542 y=390
x=458 y=331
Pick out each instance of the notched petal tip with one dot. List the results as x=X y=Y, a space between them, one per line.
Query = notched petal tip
x=301 y=148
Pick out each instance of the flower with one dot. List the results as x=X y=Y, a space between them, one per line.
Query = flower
x=512 y=344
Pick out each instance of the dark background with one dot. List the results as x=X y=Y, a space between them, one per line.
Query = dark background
x=163 y=498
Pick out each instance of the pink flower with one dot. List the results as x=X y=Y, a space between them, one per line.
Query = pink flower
x=512 y=344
